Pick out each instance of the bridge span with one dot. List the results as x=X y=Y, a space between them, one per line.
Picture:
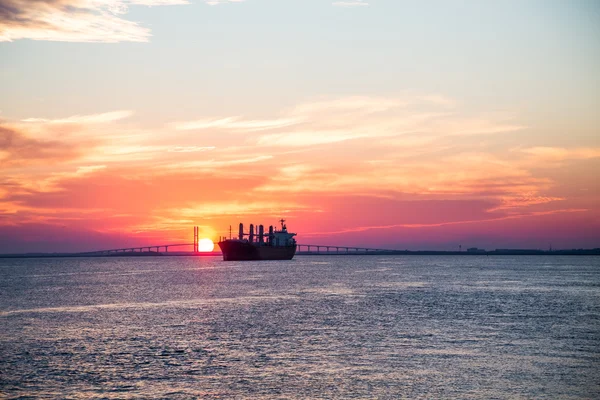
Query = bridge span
x=309 y=249
x=303 y=249
x=142 y=249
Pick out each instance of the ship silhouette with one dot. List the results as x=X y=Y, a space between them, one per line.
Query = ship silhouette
x=275 y=245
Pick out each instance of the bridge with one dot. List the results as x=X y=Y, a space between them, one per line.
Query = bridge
x=309 y=249
x=303 y=249
x=142 y=249
x=341 y=250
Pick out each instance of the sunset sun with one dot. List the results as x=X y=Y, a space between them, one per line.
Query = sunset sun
x=206 y=245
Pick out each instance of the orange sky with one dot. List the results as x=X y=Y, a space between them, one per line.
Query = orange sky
x=398 y=173
x=359 y=125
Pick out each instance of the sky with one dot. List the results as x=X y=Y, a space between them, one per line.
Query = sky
x=382 y=123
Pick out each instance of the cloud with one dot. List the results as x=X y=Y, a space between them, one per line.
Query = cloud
x=217 y=2
x=309 y=138
x=353 y=3
x=504 y=184
x=205 y=210
x=326 y=121
x=212 y=164
x=32 y=140
x=557 y=154
x=449 y=223
x=524 y=200
x=83 y=119
x=17 y=148
x=413 y=143
x=190 y=149
x=235 y=123
x=337 y=120
x=65 y=143
x=73 y=20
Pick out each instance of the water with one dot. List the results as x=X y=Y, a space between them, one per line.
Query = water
x=315 y=327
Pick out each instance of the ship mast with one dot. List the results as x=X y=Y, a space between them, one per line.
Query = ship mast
x=283 y=228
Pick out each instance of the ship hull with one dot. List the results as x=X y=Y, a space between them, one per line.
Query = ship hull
x=242 y=251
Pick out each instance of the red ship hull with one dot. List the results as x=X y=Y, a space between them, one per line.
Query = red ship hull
x=235 y=250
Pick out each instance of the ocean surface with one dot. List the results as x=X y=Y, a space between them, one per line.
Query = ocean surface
x=316 y=327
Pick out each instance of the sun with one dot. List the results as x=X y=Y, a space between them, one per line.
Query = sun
x=206 y=245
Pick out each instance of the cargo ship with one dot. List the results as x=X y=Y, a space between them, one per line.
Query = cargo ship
x=275 y=245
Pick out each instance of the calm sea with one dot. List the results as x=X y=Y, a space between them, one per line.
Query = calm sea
x=315 y=327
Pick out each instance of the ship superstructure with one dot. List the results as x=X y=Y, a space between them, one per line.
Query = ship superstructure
x=274 y=245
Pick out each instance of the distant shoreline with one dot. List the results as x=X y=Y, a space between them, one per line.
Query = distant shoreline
x=574 y=252
x=498 y=252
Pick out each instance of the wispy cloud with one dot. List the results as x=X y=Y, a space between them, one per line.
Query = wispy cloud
x=557 y=154
x=337 y=120
x=217 y=2
x=238 y=208
x=83 y=119
x=17 y=148
x=400 y=131
x=235 y=123
x=211 y=164
x=309 y=138
x=352 y=3
x=524 y=200
x=74 y=20
x=190 y=149
x=440 y=224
